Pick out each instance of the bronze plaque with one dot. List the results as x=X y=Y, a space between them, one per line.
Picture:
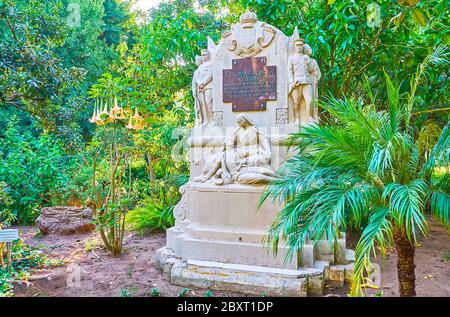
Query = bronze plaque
x=249 y=84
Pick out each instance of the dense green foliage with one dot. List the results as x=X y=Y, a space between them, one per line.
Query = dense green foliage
x=349 y=49
x=366 y=169
x=156 y=212
x=33 y=168
x=50 y=55
x=33 y=79
x=25 y=259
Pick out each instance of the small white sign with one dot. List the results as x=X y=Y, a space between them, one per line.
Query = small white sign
x=9 y=235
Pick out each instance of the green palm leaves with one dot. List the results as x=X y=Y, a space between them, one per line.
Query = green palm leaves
x=364 y=168
x=406 y=206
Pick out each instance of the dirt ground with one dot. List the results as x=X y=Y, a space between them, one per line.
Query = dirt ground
x=432 y=259
x=134 y=273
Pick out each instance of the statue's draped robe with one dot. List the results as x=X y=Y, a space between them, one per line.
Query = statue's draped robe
x=248 y=160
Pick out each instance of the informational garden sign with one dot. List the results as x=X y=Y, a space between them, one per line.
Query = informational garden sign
x=9 y=235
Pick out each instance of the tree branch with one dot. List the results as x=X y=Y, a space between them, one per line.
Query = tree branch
x=12 y=30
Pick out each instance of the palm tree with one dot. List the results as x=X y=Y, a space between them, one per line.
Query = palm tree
x=366 y=169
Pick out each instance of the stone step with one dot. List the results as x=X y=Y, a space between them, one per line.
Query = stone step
x=331 y=251
x=253 y=279
x=321 y=265
x=248 y=279
x=338 y=275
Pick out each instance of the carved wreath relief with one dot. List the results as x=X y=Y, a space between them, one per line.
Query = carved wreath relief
x=282 y=116
x=249 y=37
x=218 y=118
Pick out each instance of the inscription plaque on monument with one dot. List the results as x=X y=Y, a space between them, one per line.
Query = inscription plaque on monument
x=249 y=84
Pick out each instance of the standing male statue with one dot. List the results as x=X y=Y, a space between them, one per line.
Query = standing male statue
x=203 y=89
x=316 y=74
x=300 y=80
x=198 y=112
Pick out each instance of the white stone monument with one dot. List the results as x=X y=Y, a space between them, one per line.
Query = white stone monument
x=217 y=241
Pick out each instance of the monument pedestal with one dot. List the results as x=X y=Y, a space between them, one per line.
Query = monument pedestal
x=218 y=243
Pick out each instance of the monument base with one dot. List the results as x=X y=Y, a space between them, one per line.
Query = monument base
x=252 y=279
x=217 y=243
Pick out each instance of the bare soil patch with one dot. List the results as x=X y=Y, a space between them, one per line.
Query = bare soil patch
x=432 y=265
x=134 y=273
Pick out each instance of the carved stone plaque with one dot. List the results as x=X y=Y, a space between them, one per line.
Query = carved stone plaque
x=249 y=84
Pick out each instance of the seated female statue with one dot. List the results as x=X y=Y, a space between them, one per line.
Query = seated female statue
x=245 y=157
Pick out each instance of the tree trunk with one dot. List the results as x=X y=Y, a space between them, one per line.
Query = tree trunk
x=1 y=255
x=405 y=264
x=150 y=171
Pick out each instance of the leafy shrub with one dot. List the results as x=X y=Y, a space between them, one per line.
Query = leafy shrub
x=156 y=212
x=6 y=215
x=208 y=294
x=154 y=292
x=24 y=259
x=184 y=292
x=31 y=166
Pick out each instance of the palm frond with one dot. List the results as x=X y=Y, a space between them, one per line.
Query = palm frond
x=393 y=93
x=292 y=175
x=368 y=88
x=378 y=232
x=440 y=155
x=406 y=204
x=288 y=225
x=395 y=159
x=440 y=200
x=321 y=212
x=382 y=158
x=438 y=57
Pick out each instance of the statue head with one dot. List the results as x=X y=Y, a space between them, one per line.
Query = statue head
x=248 y=19
x=228 y=143
x=298 y=44
x=205 y=55
x=198 y=60
x=243 y=121
x=307 y=49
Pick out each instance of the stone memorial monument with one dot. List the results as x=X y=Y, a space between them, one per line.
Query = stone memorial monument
x=251 y=90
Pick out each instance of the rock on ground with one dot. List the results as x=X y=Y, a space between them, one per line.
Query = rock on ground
x=65 y=220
